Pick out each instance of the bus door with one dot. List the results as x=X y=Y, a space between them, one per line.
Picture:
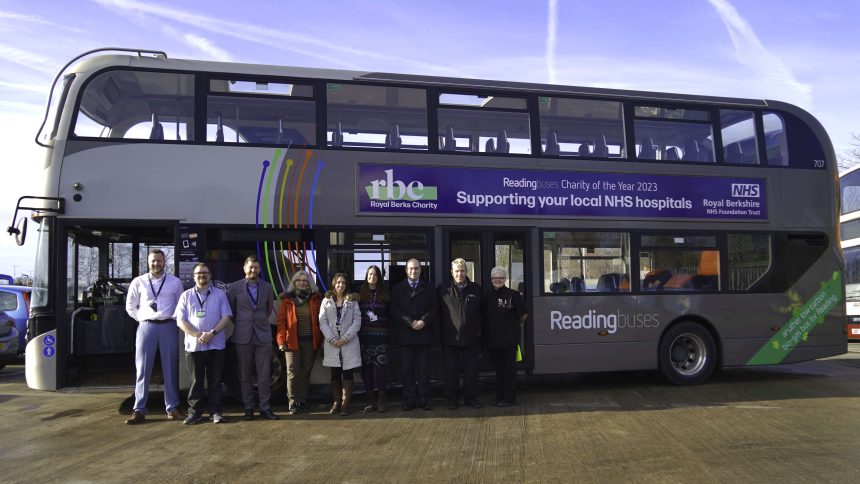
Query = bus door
x=487 y=249
x=96 y=332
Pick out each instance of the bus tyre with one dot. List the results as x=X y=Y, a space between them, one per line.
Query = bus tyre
x=688 y=354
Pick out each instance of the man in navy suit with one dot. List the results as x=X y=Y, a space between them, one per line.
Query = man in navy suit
x=252 y=300
x=413 y=310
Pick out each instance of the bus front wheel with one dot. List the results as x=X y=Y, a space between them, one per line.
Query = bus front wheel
x=688 y=354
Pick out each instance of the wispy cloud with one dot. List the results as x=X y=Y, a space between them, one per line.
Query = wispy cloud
x=30 y=60
x=551 y=39
x=207 y=47
x=33 y=19
x=36 y=88
x=273 y=38
x=749 y=50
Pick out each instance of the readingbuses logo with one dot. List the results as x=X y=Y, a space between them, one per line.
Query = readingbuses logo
x=609 y=322
x=393 y=193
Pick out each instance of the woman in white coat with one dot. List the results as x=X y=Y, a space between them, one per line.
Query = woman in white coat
x=340 y=320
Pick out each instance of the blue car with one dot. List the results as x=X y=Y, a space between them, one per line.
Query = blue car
x=15 y=302
x=8 y=340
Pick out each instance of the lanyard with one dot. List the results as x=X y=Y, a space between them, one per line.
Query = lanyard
x=202 y=301
x=373 y=301
x=152 y=286
x=250 y=296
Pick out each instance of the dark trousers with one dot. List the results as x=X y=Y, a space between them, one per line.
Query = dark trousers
x=416 y=366
x=506 y=374
x=205 y=366
x=255 y=358
x=454 y=359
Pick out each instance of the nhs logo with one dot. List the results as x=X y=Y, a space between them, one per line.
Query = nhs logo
x=746 y=190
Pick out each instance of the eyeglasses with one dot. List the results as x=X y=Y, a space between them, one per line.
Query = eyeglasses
x=201 y=273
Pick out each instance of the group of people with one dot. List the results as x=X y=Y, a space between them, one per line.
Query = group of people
x=353 y=331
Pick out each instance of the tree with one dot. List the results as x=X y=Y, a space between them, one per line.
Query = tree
x=851 y=156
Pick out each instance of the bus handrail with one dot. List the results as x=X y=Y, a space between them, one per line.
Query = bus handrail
x=140 y=53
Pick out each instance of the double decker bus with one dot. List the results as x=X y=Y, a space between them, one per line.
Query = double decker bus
x=647 y=231
x=849 y=221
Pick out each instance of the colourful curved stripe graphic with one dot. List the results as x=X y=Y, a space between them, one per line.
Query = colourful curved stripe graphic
x=285 y=199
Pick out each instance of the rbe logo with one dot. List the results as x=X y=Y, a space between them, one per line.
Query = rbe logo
x=746 y=190
x=391 y=189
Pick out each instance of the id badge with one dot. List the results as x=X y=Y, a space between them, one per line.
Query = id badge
x=371 y=316
x=201 y=314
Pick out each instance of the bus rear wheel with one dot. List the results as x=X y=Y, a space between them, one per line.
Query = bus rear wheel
x=688 y=354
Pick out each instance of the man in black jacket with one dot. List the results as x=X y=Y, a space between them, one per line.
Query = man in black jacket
x=460 y=322
x=413 y=305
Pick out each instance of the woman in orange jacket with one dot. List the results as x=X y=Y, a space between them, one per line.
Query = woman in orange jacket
x=299 y=336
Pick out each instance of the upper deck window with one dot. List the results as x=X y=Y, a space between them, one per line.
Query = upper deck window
x=260 y=111
x=673 y=134
x=774 y=138
x=380 y=117
x=483 y=123
x=137 y=105
x=581 y=127
x=739 y=137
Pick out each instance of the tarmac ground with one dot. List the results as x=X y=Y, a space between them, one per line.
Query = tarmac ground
x=793 y=423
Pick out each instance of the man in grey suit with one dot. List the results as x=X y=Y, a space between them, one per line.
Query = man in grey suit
x=252 y=300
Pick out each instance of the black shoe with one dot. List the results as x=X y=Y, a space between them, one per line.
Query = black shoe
x=268 y=415
x=249 y=415
x=303 y=407
x=426 y=406
x=408 y=406
x=294 y=408
x=473 y=403
x=193 y=418
x=502 y=403
x=452 y=404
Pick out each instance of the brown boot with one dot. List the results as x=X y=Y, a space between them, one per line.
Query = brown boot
x=336 y=389
x=347 y=396
x=371 y=401
x=380 y=405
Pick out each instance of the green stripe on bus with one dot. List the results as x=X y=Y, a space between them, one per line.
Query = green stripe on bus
x=802 y=322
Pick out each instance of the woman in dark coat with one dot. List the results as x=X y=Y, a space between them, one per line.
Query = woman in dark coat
x=504 y=311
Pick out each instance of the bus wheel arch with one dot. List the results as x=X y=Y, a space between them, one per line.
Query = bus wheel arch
x=689 y=351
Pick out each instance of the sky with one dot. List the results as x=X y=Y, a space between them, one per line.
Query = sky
x=797 y=51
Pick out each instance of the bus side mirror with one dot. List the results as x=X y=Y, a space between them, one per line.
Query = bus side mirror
x=20 y=231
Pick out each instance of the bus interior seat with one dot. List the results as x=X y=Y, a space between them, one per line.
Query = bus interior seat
x=219 y=130
x=583 y=150
x=655 y=280
x=157 y=131
x=609 y=282
x=679 y=282
x=734 y=153
x=692 y=151
x=648 y=151
x=449 y=143
x=672 y=154
x=552 y=147
x=337 y=136
x=624 y=284
x=577 y=285
x=601 y=149
x=502 y=144
x=392 y=140
x=703 y=282
x=490 y=146
x=280 y=138
x=707 y=154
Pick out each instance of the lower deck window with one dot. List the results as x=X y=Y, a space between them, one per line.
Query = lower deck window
x=580 y=262
x=679 y=263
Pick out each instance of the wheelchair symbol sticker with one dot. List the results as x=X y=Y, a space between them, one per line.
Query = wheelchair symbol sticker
x=49 y=340
x=49 y=351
